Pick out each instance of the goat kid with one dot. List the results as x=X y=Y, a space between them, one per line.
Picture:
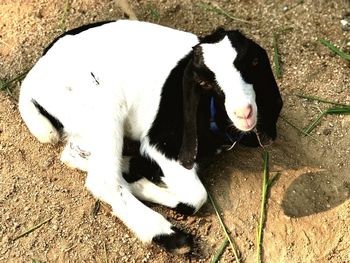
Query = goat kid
x=98 y=83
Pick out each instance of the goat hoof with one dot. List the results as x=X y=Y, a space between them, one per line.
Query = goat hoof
x=177 y=242
x=185 y=209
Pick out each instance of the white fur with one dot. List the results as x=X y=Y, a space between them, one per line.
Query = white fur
x=131 y=61
x=143 y=189
x=148 y=191
x=39 y=126
x=179 y=180
x=219 y=58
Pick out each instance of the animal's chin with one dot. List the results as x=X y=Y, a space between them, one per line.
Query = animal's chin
x=256 y=136
x=245 y=125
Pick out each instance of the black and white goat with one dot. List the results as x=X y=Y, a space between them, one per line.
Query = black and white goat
x=100 y=83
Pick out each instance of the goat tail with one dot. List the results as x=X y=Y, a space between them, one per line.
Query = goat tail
x=40 y=123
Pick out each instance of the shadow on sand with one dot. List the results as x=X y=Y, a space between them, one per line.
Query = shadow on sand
x=315 y=192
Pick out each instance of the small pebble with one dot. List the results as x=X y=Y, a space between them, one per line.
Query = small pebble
x=327 y=131
x=191 y=220
x=345 y=25
x=207 y=229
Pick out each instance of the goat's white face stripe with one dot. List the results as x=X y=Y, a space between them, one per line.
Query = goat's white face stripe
x=219 y=58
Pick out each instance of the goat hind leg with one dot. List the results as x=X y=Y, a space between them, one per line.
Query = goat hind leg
x=40 y=126
x=148 y=225
x=106 y=182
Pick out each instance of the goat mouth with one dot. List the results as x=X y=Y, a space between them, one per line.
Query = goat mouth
x=245 y=125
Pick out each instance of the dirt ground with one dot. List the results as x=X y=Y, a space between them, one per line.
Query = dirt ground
x=308 y=217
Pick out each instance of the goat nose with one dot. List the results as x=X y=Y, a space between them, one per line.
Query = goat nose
x=244 y=112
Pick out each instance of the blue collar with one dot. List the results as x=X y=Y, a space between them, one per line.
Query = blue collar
x=229 y=136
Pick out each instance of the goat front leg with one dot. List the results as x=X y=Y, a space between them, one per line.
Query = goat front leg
x=106 y=183
x=183 y=183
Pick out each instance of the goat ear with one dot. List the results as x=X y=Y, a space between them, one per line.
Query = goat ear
x=201 y=74
x=217 y=35
x=191 y=97
x=198 y=59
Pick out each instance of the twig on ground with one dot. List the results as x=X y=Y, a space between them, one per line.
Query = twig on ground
x=126 y=8
x=294 y=6
x=34 y=260
x=33 y=228
x=69 y=248
x=96 y=208
x=105 y=252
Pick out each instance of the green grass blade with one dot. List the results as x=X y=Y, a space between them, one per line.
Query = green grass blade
x=299 y=130
x=335 y=49
x=220 y=11
x=6 y=84
x=64 y=16
x=233 y=247
x=341 y=110
x=220 y=251
x=322 y=100
x=276 y=56
x=30 y=230
x=276 y=59
x=273 y=180
x=105 y=252
x=153 y=12
x=312 y=125
x=263 y=205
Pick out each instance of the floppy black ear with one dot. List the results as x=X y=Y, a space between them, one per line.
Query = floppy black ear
x=191 y=97
x=217 y=35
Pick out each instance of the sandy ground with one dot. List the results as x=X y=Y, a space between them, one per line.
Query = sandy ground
x=308 y=217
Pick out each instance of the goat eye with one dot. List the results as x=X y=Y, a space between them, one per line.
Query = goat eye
x=202 y=83
x=255 y=62
x=205 y=85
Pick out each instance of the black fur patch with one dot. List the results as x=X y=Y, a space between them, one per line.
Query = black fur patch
x=185 y=209
x=166 y=130
x=214 y=37
x=54 y=121
x=178 y=242
x=94 y=77
x=141 y=167
x=75 y=31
